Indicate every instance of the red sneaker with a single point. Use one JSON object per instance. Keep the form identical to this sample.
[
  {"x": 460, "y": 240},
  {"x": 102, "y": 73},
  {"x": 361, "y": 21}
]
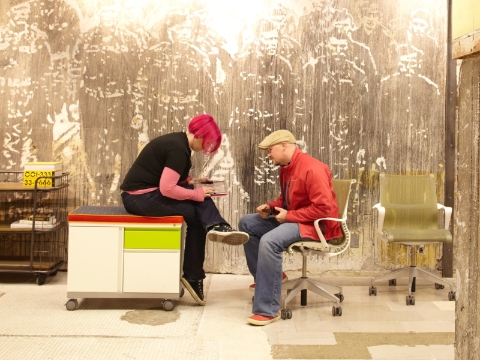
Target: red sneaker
[
  {"x": 284, "y": 280},
  {"x": 261, "y": 320}
]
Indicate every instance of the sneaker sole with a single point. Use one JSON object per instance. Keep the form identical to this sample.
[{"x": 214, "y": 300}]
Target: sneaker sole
[
  {"x": 252, "y": 288},
  {"x": 192, "y": 292},
  {"x": 263, "y": 322},
  {"x": 237, "y": 238}
]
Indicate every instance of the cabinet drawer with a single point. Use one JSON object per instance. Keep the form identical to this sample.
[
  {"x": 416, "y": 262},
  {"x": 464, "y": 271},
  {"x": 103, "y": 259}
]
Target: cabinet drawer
[{"x": 152, "y": 238}]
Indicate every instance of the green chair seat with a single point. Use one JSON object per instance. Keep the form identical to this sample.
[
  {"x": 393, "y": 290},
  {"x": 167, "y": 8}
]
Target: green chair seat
[{"x": 417, "y": 235}]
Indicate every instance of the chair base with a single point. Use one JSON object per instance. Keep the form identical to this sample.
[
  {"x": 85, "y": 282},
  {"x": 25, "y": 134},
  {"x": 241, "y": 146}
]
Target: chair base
[
  {"x": 303, "y": 284},
  {"x": 412, "y": 272}
]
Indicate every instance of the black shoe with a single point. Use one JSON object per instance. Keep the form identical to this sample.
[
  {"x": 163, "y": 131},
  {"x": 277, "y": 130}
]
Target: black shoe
[
  {"x": 195, "y": 288},
  {"x": 223, "y": 233}
]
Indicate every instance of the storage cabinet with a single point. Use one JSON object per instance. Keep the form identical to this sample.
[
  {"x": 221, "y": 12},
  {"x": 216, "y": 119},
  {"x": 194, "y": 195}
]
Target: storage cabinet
[
  {"x": 118, "y": 255},
  {"x": 36, "y": 249}
]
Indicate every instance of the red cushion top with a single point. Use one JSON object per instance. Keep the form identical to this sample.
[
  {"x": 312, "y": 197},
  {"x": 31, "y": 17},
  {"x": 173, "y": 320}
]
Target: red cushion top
[{"x": 117, "y": 214}]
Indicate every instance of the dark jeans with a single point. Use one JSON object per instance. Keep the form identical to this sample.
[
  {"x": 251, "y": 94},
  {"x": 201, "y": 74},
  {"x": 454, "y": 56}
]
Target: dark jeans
[{"x": 198, "y": 215}]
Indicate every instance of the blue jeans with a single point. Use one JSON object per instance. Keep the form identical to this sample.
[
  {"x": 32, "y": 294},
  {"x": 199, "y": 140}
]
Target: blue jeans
[
  {"x": 199, "y": 216},
  {"x": 268, "y": 240}
]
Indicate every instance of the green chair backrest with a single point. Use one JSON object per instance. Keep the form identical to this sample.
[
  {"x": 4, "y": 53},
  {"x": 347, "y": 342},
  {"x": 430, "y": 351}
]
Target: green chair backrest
[
  {"x": 410, "y": 201},
  {"x": 342, "y": 188}
]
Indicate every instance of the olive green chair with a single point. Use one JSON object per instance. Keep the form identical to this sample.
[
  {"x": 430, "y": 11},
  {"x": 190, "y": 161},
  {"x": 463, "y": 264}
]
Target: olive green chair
[
  {"x": 408, "y": 214},
  {"x": 331, "y": 248}
]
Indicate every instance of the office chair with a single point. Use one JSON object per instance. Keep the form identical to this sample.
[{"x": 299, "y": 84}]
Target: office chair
[
  {"x": 408, "y": 215},
  {"x": 332, "y": 248}
]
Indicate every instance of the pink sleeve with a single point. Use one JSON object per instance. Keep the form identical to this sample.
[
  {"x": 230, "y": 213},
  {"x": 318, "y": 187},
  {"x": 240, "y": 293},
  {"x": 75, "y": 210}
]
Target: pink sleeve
[{"x": 169, "y": 188}]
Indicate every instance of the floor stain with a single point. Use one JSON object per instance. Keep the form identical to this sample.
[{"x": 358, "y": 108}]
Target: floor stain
[
  {"x": 355, "y": 345},
  {"x": 152, "y": 317}
]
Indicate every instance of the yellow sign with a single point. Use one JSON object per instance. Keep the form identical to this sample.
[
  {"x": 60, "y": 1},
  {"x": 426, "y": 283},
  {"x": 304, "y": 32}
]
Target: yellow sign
[{"x": 30, "y": 176}]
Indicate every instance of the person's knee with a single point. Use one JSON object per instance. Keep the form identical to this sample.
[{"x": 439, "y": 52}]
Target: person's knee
[
  {"x": 270, "y": 244},
  {"x": 243, "y": 223}
]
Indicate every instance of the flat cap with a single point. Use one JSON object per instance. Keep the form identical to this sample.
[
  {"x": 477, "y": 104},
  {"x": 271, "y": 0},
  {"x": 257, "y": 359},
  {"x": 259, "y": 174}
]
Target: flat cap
[{"x": 277, "y": 137}]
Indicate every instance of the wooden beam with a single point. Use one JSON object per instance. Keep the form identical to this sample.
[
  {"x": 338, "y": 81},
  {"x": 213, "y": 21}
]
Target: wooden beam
[
  {"x": 466, "y": 45},
  {"x": 450, "y": 103}
]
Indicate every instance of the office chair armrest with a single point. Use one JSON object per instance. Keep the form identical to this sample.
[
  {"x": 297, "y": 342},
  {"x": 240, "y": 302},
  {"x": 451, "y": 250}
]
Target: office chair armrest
[
  {"x": 319, "y": 231},
  {"x": 381, "y": 217},
  {"x": 447, "y": 210}
]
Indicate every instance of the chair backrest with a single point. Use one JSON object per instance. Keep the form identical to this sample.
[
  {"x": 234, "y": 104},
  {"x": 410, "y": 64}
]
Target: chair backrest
[
  {"x": 342, "y": 189},
  {"x": 334, "y": 247},
  {"x": 410, "y": 201}
]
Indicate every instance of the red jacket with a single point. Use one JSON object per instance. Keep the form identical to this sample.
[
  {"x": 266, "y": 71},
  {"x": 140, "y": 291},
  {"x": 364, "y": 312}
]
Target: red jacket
[{"x": 307, "y": 194}]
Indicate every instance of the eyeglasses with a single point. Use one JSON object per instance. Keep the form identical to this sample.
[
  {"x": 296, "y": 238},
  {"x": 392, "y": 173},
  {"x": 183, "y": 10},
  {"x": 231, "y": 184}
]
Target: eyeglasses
[{"x": 270, "y": 148}]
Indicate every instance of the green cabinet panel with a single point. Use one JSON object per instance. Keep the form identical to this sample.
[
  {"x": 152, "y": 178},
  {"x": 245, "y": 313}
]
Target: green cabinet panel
[{"x": 153, "y": 238}]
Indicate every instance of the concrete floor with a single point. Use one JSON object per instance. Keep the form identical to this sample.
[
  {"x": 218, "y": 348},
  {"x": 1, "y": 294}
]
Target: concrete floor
[{"x": 34, "y": 324}]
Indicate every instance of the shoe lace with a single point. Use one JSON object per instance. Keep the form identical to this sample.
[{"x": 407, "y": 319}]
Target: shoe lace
[
  {"x": 200, "y": 289},
  {"x": 223, "y": 228}
]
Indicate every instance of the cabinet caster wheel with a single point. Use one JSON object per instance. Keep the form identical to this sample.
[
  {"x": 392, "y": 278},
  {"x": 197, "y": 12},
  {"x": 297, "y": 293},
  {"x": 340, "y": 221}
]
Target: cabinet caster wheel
[
  {"x": 439, "y": 286},
  {"x": 168, "y": 305},
  {"x": 372, "y": 290},
  {"x": 71, "y": 304},
  {"x": 340, "y": 296},
  {"x": 336, "y": 311},
  {"x": 410, "y": 300},
  {"x": 392, "y": 282},
  {"x": 452, "y": 296},
  {"x": 41, "y": 279}
]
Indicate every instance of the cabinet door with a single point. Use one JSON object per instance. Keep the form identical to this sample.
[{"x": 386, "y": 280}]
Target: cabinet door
[
  {"x": 95, "y": 257},
  {"x": 151, "y": 272}
]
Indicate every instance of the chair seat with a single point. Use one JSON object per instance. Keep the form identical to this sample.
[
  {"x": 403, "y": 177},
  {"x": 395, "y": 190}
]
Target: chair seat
[
  {"x": 417, "y": 235},
  {"x": 309, "y": 244}
]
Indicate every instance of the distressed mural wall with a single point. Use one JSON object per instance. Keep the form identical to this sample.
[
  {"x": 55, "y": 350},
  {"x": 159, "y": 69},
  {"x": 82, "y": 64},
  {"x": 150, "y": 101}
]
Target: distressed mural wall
[{"x": 360, "y": 83}]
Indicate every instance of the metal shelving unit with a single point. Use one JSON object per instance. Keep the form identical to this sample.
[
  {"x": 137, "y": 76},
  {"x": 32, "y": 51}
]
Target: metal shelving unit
[{"x": 35, "y": 250}]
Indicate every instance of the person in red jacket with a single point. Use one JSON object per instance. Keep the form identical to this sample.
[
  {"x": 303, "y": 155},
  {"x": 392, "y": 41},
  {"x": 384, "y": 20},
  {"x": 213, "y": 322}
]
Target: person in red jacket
[{"x": 306, "y": 195}]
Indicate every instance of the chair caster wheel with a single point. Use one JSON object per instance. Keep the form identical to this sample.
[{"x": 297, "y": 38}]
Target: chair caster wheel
[
  {"x": 392, "y": 282},
  {"x": 286, "y": 314},
  {"x": 452, "y": 296},
  {"x": 340, "y": 296},
  {"x": 372, "y": 290},
  {"x": 410, "y": 300},
  {"x": 439, "y": 286},
  {"x": 336, "y": 311}
]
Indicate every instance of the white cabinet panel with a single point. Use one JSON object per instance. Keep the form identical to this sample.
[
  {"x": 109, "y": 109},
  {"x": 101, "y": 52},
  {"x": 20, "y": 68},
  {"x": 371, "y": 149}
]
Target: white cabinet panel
[
  {"x": 151, "y": 272},
  {"x": 95, "y": 256}
]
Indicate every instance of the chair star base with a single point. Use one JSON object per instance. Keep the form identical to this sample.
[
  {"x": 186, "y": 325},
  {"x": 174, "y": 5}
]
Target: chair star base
[{"x": 413, "y": 272}]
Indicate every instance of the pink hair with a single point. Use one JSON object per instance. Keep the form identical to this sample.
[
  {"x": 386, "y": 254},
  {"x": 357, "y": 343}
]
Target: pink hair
[{"x": 204, "y": 127}]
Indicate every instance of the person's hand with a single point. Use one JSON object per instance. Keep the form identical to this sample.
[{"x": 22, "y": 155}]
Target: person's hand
[
  {"x": 205, "y": 180},
  {"x": 264, "y": 210},
  {"x": 281, "y": 215},
  {"x": 207, "y": 191}
]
